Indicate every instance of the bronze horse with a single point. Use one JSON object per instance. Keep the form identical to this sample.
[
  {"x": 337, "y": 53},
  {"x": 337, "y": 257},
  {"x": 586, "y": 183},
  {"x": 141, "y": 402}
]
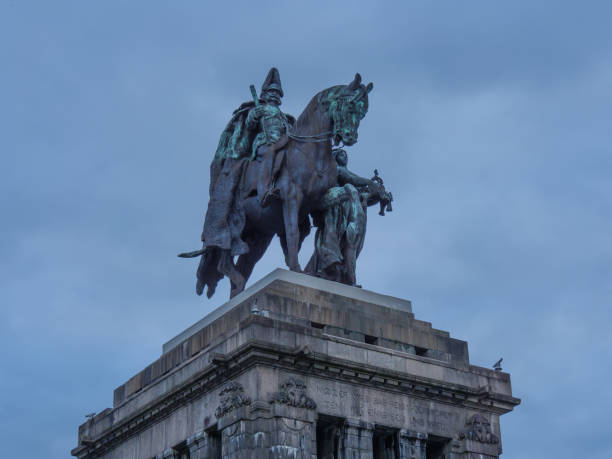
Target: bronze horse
[{"x": 306, "y": 170}]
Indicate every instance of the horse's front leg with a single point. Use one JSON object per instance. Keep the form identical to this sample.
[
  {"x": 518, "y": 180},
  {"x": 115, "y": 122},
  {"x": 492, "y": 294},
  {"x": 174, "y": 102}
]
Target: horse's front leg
[{"x": 291, "y": 206}]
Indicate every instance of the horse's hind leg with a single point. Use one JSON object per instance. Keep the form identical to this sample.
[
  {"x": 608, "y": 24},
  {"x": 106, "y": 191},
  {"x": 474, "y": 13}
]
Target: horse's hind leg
[
  {"x": 291, "y": 205},
  {"x": 258, "y": 243}
]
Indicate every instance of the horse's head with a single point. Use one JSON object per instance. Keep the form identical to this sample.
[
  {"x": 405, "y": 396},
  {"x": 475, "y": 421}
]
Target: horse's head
[{"x": 347, "y": 108}]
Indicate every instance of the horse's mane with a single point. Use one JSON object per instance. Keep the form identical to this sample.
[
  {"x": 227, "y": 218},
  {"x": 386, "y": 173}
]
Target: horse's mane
[{"x": 317, "y": 106}]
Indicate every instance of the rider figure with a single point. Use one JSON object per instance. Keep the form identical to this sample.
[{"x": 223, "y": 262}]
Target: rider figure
[{"x": 271, "y": 125}]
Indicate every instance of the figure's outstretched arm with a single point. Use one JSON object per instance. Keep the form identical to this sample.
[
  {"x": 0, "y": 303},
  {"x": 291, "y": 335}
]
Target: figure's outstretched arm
[
  {"x": 346, "y": 176},
  {"x": 371, "y": 191}
]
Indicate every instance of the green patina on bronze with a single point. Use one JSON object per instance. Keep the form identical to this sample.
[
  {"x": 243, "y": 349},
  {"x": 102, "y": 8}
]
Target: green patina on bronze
[
  {"x": 271, "y": 174},
  {"x": 255, "y": 123},
  {"x": 244, "y": 134}
]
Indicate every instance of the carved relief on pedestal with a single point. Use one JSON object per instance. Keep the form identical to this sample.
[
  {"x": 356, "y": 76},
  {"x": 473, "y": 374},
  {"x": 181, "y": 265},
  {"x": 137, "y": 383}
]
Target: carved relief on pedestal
[
  {"x": 479, "y": 430},
  {"x": 232, "y": 396},
  {"x": 293, "y": 393}
]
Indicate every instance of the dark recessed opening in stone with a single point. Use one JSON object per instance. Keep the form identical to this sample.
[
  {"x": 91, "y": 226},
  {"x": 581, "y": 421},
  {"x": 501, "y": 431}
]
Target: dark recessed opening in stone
[
  {"x": 437, "y": 447},
  {"x": 329, "y": 432},
  {"x": 384, "y": 443},
  {"x": 420, "y": 351},
  {"x": 181, "y": 451},
  {"x": 213, "y": 448},
  {"x": 317, "y": 325},
  {"x": 369, "y": 339}
]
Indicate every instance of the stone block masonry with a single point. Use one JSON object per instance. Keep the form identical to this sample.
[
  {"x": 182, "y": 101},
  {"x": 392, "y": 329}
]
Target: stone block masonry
[{"x": 300, "y": 367}]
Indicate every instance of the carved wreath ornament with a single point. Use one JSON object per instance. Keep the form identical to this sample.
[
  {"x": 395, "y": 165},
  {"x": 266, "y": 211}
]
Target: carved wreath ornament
[
  {"x": 293, "y": 393},
  {"x": 232, "y": 396},
  {"x": 480, "y": 430}
]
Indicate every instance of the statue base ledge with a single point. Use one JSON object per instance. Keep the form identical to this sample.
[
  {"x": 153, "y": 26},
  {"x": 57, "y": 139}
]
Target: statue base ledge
[{"x": 300, "y": 279}]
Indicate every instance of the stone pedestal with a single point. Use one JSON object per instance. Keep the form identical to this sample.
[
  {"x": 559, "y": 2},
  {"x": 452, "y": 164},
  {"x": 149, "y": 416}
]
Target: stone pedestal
[{"x": 299, "y": 367}]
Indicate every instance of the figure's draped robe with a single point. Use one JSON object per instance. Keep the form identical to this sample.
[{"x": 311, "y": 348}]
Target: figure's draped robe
[{"x": 341, "y": 227}]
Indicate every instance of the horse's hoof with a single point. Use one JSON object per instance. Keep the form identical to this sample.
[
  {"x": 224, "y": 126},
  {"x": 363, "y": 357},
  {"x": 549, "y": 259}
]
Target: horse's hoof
[{"x": 235, "y": 292}]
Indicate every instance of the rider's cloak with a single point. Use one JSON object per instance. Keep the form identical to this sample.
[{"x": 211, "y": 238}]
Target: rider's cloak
[{"x": 225, "y": 217}]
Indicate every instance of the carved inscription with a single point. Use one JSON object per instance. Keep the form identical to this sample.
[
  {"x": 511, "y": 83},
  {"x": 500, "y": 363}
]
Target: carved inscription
[
  {"x": 426, "y": 417},
  {"x": 381, "y": 408},
  {"x": 387, "y": 408}
]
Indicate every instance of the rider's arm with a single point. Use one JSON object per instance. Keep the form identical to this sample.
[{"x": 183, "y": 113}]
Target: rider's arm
[{"x": 255, "y": 114}]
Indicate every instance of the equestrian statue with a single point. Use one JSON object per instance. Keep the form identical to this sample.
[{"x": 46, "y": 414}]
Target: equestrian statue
[{"x": 271, "y": 173}]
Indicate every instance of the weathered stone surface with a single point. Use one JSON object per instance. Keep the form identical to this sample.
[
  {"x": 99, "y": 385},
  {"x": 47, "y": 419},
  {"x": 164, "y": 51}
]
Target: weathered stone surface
[
  {"x": 412, "y": 445},
  {"x": 357, "y": 439},
  {"x": 291, "y": 369}
]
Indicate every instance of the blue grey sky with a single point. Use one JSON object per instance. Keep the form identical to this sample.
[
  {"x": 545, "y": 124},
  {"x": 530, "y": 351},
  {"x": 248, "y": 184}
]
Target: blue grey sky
[{"x": 489, "y": 121}]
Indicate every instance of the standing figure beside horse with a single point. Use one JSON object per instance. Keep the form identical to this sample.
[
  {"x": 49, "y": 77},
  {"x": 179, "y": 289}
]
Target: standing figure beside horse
[
  {"x": 341, "y": 222},
  {"x": 269, "y": 174}
]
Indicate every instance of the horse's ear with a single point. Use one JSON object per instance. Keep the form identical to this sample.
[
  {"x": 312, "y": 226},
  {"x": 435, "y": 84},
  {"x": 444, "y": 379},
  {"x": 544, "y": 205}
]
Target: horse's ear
[
  {"x": 355, "y": 83},
  {"x": 370, "y": 86}
]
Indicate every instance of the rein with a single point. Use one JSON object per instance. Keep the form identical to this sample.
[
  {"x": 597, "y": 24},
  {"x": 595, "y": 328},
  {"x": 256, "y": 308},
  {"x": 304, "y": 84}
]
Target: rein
[{"x": 321, "y": 137}]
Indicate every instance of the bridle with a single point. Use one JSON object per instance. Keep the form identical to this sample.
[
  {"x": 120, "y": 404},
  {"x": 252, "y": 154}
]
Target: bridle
[{"x": 322, "y": 136}]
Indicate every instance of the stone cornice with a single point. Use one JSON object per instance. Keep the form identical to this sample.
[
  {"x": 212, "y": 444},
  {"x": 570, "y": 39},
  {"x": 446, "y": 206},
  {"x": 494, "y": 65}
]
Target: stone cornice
[{"x": 301, "y": 360}]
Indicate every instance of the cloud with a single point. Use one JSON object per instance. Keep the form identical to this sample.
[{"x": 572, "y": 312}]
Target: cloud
[{"x": 488, "y": 122}]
